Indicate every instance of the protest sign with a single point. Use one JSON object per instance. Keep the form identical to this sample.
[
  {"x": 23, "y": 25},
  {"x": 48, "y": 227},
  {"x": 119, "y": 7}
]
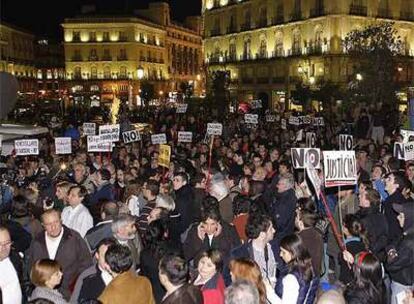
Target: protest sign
[
  {"x": 159, "y": 139},
  {"x": 293, "y": 120},
  {"x": 310, "y": 140},
  {"x": 409, "y": 151},
  {"x": 164, "y": 156},
  {"x": 302, "y": 156},
  {"x": 131, "y": 136},
  {"x": 407, "y": 134},
  {"x": 339, "y": 168},
  {"x": 63, "y": 145},
  {"x": 314, "y": 178},
  {"x": 283, "y": 124},
  {"x": 26, "y": 147},
  {"x": 185, "y": 137},
  {"x": 181, "y": 108},
  {"x": 270, "y": 118},
  {"x": 109, "y": 133},
  {"x": 346, "y": 142},
  {"x": 299, "y": 135},
  {"x": 89, "y": 128},
  {"x": 95, "y": 144},
  {"x": 399, "y": 151},
  {"x": 318, "y": 121},
  {"x": 251, "y": 118},
  {"x": 214, "y": 128}
]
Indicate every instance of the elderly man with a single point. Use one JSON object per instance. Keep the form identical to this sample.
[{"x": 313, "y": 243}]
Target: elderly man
[
  {"x": 62, "y": 244},
  {"x": 283, "y": 209},
  {"x": 219, "y": 190},
  {"x": 11, "y": 270}
]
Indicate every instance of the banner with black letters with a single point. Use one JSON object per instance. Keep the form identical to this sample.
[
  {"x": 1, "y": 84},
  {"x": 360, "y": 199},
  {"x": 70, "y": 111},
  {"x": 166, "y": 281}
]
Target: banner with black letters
[
  {"x": 302, "y": 156},
  {"x": 339, "y": 168}
]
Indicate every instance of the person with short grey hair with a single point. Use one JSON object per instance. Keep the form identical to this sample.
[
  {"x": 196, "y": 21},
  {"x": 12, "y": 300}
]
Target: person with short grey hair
[
  {"x": 125, "y": 232},
  {"x": 241, "y": 291},
  {"x": 165, "y": 201},
  {"x": 219, "y": 190}
]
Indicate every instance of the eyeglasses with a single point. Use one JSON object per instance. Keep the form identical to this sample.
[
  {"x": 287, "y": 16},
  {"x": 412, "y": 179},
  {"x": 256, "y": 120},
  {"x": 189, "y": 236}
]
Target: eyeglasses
[{"x": 5, "y": 244}]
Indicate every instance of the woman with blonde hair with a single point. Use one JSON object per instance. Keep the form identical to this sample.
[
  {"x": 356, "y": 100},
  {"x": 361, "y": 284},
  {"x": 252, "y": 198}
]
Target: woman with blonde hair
[
  {"x": 247, "y": 269},
  {"x": 46, "y": 275}
]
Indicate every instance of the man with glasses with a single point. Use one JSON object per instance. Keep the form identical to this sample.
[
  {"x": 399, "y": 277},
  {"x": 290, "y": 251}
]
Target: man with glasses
[{"x": 11, "y": 270}]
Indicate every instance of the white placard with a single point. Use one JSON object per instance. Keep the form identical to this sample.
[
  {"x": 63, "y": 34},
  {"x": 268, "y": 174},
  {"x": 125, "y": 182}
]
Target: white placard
[
  {"x": 95, "y": 103},
  {"x": 314, "y": 178},
  {"x": 214, "y": 128},
  {"x": 299, "y": 135},
  {"x": 63, "y": 145},
  {"x": 310, "y": 140},
  {"x": 293, "y": 120},
  {"x": 131, "y": 136},
  {"x": 318, "y": 121},
  {"x": 182, "y": 108},
  {"x": 95, "y": 144},
  {"x": 185, "y": 137},
  {"x": 26, "y": 147},
  {"x": 283, "y": 124},
  {"x": 270, "y": 118},
  {"x": 339, "y": 168},
  {"x": 89, "y": 128},
  {"x": 251, "y": 118},
  {"x": 159, "y": 139},
  {"x": 407, "y": 134},
  {"x": 409, "y": 151},
  {"x": 346, "y": 142},
  {"x": 109, "y": 133},
  {"x": 302, "y": 156}
]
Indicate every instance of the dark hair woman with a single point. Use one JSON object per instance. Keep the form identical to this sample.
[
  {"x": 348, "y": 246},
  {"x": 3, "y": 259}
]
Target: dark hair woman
[
  {"x": 300, "y": 284},
  {"x": 367, "y": 286}
]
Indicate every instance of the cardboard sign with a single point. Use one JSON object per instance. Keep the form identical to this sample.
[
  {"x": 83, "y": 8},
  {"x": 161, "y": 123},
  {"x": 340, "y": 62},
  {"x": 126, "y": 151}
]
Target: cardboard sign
[
  {"x": 251, "y": 118},
  {"x": 89, "y": 128},
  {"x": 181, "y": 108},
  {"x": 314, "y": 178},
  {"x": 164, "y": 156},
  {"x": 346, "y": 142},
  {"x": 399, "y": 151},
  {"x": 95, "y": 144},
  {"x": 270, "y": 118},
  {"x": 407, "y": 134},
  {"x": 302, "y": 156},
  {"x": 131, "y": 136},
  {"x": 214, "y": 129},
  {"x": 409, "y": 150},
  {"x": 26, "y": 147},
  {"x": 63, "y": 145},
  {"x": 306, "y": 120},
  {"x": 109, "y": 133},
  {"x": 339, "y": 168},
  {"x": 159, "y": 139},
  {"x": 310, "y": 140},
  {"x": 283, "y": 124},
  {"x": 185, "y": 137},
  {"x": 299, "y": 135},
  {"x": 318, "y": 121},
  {"x": 293, "y": 120}
]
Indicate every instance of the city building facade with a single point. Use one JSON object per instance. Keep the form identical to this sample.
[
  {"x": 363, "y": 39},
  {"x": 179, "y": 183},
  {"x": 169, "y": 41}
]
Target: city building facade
[
  {"x": 269, "y": 46},
  {"x": 113, "y": 56}
]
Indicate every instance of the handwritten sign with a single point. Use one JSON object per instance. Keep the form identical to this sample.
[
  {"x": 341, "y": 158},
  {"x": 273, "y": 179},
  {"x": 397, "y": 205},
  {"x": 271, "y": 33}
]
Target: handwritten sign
[
  {"x": 109, "y": 133},
  {"x": 214, "y": 129},
  {"x": 185, "y": 137},
  {"x": 159, "y": 139},
  {"x": 63, "y": 145},
  {"x": 26, "y": 147}
]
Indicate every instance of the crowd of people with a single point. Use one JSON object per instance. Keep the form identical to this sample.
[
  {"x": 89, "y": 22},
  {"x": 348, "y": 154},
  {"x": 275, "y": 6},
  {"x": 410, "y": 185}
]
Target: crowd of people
[{"x": 229, "y": 221}]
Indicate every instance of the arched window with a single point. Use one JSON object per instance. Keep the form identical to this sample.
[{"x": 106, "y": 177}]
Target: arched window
[
  {"x": 77, "y": 72},
  {"x": 263, "y": 47},
  {"x": 279, "y": 44},
  {"x": 246, "y": 49},
  {"x": 296, "y": 43},
  {"x": 232, "y": 50},
  {"x": 123, "y": 72},
  {"x": 107, "y": 72},
  {"x": 94, "y": 72}
]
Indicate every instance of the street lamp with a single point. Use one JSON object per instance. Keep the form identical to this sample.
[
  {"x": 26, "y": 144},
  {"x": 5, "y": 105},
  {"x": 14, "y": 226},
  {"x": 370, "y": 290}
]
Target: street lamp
[
  {"x": 359, "y": 77},
  {"x": 140, "y": 72},
  {"x": 312, "y": 80}
]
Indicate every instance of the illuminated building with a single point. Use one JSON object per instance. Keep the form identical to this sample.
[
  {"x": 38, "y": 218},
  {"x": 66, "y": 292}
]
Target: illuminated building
[
  {"x": 270, "y": 46},
  {"x": 107, "y": 55}
]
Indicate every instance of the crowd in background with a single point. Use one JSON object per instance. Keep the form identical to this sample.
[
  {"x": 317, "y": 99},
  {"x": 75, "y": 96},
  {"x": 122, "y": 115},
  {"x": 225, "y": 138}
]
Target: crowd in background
[{"x": 230, "y": 220}]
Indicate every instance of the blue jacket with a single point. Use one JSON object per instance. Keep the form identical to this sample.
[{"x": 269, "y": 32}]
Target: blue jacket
[{"x": 307, "y": 290}]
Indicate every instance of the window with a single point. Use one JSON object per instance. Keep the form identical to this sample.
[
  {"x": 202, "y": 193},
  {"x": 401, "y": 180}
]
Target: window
[
  {"x": 296, "y": 46},
  {"x": 92, "y": 36},
  {"x": 122, "y": 54},
  {"x": 123, "y": 72},
  {"x": 107, "y": 72},
  {"x": 76, "y": 36},
  {"x": 93, "y": 55},
  {"x": 107, "y": 55},
  {"x": 279, "y": 44},
  {"x": 78, "y": 72},
  {"x": 105, "y": 36},
  {"x": 232, "y": 50},
  {"x": 94, "y": 73},
  {"x": 246, "y": 49},
  {"x": 263, "y": 48}
]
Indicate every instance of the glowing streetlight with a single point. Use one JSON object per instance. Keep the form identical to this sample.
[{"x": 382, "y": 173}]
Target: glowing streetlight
[
  {"x": 359, "y": 77},
  {"x": 140, "y": 73},
  {"x": 312, "y": 80}
]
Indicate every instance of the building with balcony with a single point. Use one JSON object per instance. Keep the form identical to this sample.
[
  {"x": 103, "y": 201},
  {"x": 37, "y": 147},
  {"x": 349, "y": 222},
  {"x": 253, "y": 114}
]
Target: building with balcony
[
  {"x": 268, "y": 47},
  {"x": 17, "y": 56},
  {"x": 114, "y": 54}
]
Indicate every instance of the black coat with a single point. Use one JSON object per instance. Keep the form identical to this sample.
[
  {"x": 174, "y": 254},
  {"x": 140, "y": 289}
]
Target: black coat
[
  {"x": 185, "y": 206},
  {"x": 354, "y": 246},
  {"x": 283, "y": 213},
  {"x": 224, "y": 242},
  {"x": 186, "y": 294},
  {"x": 92, "y": 286},
  {"x": 401, "y": 268},
  {"x": 394, "y": 229},
  {"x": 376, "y": 226}
]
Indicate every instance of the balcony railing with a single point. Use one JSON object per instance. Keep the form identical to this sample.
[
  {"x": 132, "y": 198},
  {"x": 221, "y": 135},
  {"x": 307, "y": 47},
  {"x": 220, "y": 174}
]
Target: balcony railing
[
  {"x": 245, "y": 56},
  {"x": 317, "y": 12},
  {"x": 384, "y": 13},
  {"x": 122, "y": 58},
  {"x": 407, "y": 16},
  {"x": 231, "y": 29},
  {"x": 261, "y": 23},
  {"x": 278, "y": 19},
  {"x": 295, "y": 52},
  {"x": 296, "y": 16},
  {"x": 76, "y": 58},
  {"x": 278, "y": 53},
  {"x": 215, "y": 32},
  {"x": 106, "y": 58},
  {"x": 93, "y": 58},
  {"x": 262, "y": 55},
  {"x": 246, "y": 26},
  {"x": 358, "y": 10}
]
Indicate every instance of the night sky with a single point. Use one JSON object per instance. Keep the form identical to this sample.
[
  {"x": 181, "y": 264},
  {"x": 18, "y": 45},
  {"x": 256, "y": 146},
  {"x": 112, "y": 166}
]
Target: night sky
[{"x": 43, "y": 17}]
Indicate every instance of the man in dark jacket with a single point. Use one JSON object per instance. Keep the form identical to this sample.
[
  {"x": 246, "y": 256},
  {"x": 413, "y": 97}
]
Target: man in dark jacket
[
  {"x": 283, "y": 208},
  {"x": 62, "y": 244},
  {"x": 210, "y": 233},
  {"x": 394, "y": 183},
  {"x": 184, "y": 201},
  {"x": 400, "y": 259},
  {"x": 104, "y": 190}
]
